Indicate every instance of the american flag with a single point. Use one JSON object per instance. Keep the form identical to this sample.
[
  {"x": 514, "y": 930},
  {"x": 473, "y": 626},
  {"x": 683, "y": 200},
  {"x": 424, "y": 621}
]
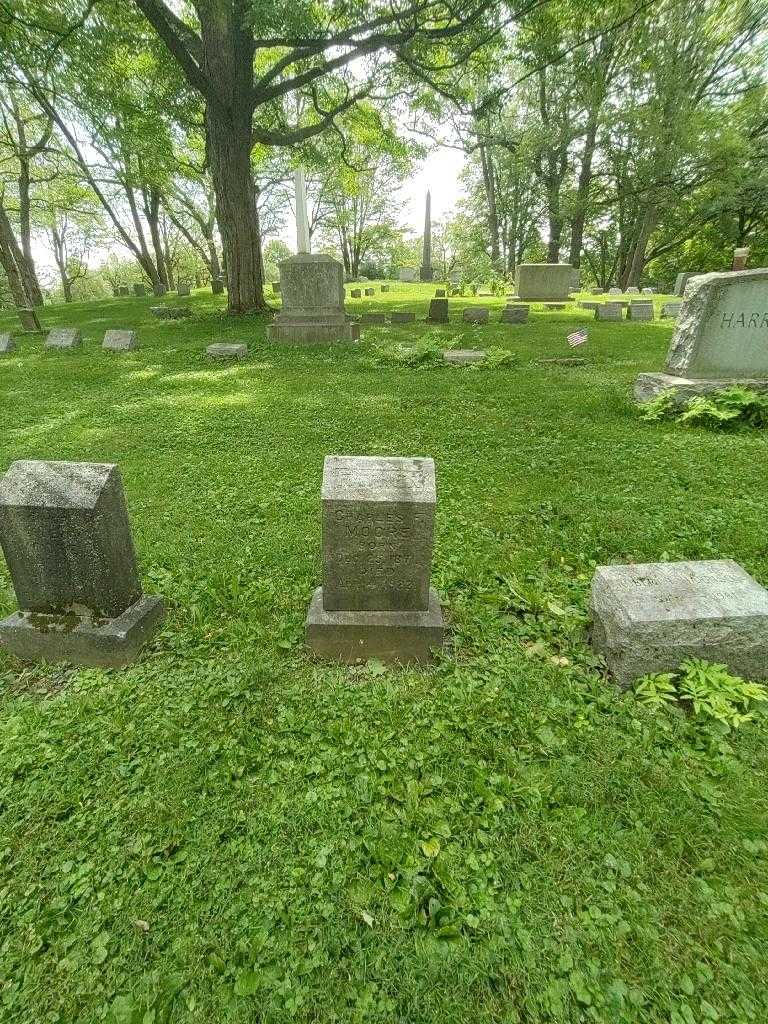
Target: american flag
[{"x": 577, "y": 338}]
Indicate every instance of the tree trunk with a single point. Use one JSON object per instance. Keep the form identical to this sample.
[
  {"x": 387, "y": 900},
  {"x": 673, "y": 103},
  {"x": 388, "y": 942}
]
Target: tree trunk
[
  {"x": 8, "y": 263},
  {"x": 30, "y": 285},
  {"x": 637, "y": 264},
  {"x": 489, "y": 179},
  {"x": 582, "y": 193}
]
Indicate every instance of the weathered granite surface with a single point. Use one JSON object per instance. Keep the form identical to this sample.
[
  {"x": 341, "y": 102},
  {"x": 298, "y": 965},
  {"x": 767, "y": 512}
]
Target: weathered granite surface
[
  {"x": 463, "y": 356},
  {"x": 227, "y": 350},
  {"x": 649, "y": 618},
  {"x": 650, "y": 385},
  {"x": 640, "y": 311},
  {"x": 402, "y": 317},
  {"x": 542, "y": 281},
  {"x": 609, "y": 311},
  {"x": 64, "y": 337},
  {"x": 7, "y": 344},
  {"x": 476, "y": 315},
  {"x": 438, "y": 311},
  {"x": 312, "y": 287},
  {"x": 515, "y": 314},
  {"x": 120, "y": 341}
]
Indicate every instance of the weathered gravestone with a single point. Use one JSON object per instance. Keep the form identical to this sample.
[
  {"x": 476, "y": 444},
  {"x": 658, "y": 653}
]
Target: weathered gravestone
[
  {"x": 463, "y": 356},
  {"x": 649, "y": 291},
  {"x": 227, "y": 350},
  {"x": 124, "y": 291},
  {"x": 64, "y": 337},
  {"x": 139, "y": 290},
  {"x": 407, "y": 274},
  {"x": 385, "y": 288},
  {"x": 633, "y": 290},
  {"x": 356, "y": 293},
  {"x": 682, "y": 280},
  {"x": 217, "y": 286},
  {"x": 614, "y": 291},
  {"x": 7, "y": 344},
  {"x": 650, "y": 618},
  {"x": 438, "y": 311},
  {"x": 66, "y": 537},
  {"x": 373, "y": 319},
  {"x": 588, "y": 304},
  {"x": 720, "y": 338},
  {"x": 543, "y": 281},
  {"x": 476, "y": 315},
  {"x": 609, "y": 311},
  {"x": 369, "y": 292},
  {"x": 275, "y": 287},
  {"x": 402, "y": 317},
  {"x": 120, "y": 341},
  {"x": 640, "y": 311},
  {"x": 671, "y": 309},
  {"x": 313, "y": 313},
  {"x": 454, "y": 277},
  {"x": 515, "y": 314},
  {"x": 378, "y": 527},
  {"x": 183, "y": 291}
]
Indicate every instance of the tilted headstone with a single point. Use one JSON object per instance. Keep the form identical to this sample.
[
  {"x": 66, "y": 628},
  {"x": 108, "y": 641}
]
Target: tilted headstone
[
  {"x": 402, "y": 317},
  {"x": 378, "y": 529},
  {"x": 720, "y": 338},
  {"x": 671, "y": 309},
  {"x": 139, "y": 290},
  {"x": 356, "y": 293},
  {"x": 476, "y": 315},
  {"x": 225, "y": 350},
  {"x": 640, "y": 311},
  {"x": 170, "y": 312},
  {"x": 7, "y": 344},
  {"x": 633, "y": 290},
  {"x": 217, "y": 286},
  {"x": 609, "y": 311},
  {"x": 66, "y": 537},
  {"x": 370, "y": 291},
  {"x": 120, "y": 341},
  {"x": 438, "y": 311},
  {"x": 64, "y": 337},
  {"x": 183, "y": 291},
  {"x": 649, "y": 618},
  {"x": 515, "y": 314},
  {"x": 371, "y": 319},
  {"x": 463, "y": 356}
]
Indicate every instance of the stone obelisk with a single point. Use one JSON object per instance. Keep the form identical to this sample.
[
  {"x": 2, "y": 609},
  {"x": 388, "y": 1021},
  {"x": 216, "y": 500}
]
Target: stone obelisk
[{"x": 427, "y": 272}]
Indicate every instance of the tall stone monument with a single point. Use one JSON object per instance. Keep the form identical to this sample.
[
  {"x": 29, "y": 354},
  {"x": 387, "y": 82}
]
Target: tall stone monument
[
  {"x": 378, "y": 527},
  {"x": 426, "y": 271},
  {"x": 720, "y": 339},
  {"x": 312, "y": 289},
  {"x": 66, "y": 537}
]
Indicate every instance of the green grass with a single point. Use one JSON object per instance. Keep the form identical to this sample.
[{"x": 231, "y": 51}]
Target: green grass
[{"x": 229, "y": 832}]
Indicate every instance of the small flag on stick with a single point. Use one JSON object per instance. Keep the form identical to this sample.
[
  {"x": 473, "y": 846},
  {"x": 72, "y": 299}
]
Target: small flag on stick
[{"x": 577, "y": 338}]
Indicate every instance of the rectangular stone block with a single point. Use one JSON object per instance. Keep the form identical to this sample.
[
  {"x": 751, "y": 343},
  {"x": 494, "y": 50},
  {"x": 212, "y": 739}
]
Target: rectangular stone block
[
  {"x": 356, "y": 293},
  {"x": 385, "y": 288},
  {"x": 371, "y": 319},
  {"x": 183, "y": 291},
  {"x": 64, "y": 337},
  {"x": 407, "y": 274},
  {"x": 7, "y": 344},
  {"x": 438, "y": 311},
  {"x": 651, "y": 385},
  {"x": 463, "y": 356},
  {"x": 378, "y": 528},
  {"x": 671, "y": 309},
  {"x": 633, "y": 290},
  {"x": 614, "y": 291},
  {"x": 222, "y": 350},
  {"x": 120, "y": 341},
  {"x": 640, "y": 311},
  {"x": 369, "y": 292},
  {"x": 609, "y": 311},
  {"x": 440, "y": 293},
  {"x": 544, "y": 281},
  {"x": 649, "y": 618},
  {"x": 476, "y": 315},
  {"x": 589, "y": 305},
  {"x": 402, "y": 317},
  {"x": 515, "y": 314}
]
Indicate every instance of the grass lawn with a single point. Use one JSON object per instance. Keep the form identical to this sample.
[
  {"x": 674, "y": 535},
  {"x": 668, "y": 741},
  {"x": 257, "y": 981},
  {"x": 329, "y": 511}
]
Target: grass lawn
[{"x": 230, "y": 832}]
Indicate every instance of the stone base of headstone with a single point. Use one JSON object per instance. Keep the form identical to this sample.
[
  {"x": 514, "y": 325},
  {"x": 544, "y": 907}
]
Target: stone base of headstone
[
  {"x": 476, "y": 315},
  {"x": 312, "y": 287},
  {"x": 110, "y": 643},
  {"x": 650, "y": 385},
  {"x": 438, "y": 311},
  {"x": 120, "y": 341},
  {"x": 640, "y": 311},
  {"x": 609, "y": 311},
  {"x": 402, "y": 317},
  {"x": 650, "y": 618},
  {"x": 515, "y": 314},
  {"x": 463, "y": 356},
  {"x": 356, "y": 636},
  {"x": 223, "y": 350}
]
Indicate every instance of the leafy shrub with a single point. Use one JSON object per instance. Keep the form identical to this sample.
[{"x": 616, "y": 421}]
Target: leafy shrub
[
  {"x": 420, "y": 352},
  {"x": 497, "y": 357},
  {"x": 706, "y": 690},
  {"x": 731, "y": 407}
]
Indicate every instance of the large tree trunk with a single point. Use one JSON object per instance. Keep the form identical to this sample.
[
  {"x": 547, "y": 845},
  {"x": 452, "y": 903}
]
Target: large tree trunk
[
  {"x": 637, "y": 264},
  {"x": 489, "y": 180},
  {"x": 29, "y": 282},
  {"x": 8, "y": 263},
  {"x": 582, "y": 194},
  {"x": 152, "y": 212}
]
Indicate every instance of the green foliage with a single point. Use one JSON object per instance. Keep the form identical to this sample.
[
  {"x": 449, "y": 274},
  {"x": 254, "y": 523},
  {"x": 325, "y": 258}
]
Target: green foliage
[
  {"x": 721, "y": 410},
  {"x": 496, "y": 357},
  {"x": 708, "y": 691}
]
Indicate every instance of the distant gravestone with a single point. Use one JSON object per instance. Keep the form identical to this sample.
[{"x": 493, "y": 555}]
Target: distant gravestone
[
  {"x": 588, "y": 304},
  {"x": 385, "y": 288},
  {"x": 356, "y": 293},
  {"x": 170, "y": 312},
  {"x": 515, "y": 314},
  {"x": 64, "y": 337},
  {"x": 463, "y": 356},
  {"x": 640, "y": 311},
  {"x": 373, "y": 319},
  {"x": 369, "y": 292},
  {"x": 183, "y": 291},
  {"x": 275, "y": 287},
  {"x": 378, "y": 535},
  {"x": 7, "y": 344},
  {"x": 407, "y": 275},
  {"x": 540, "y": 282},
  {"x": 609, "y": 311},
  {"x": 614, "y": 291},
  {"x": 671, "y": 309},
  {"x": 476, "y": 315},
  {"x": 402, "y": 317},
  {"x": 224, "y": 350},
  {"x": 124, "y": 291},
  {"x": 649, "y": 291},
  {"x": 139, "y": 290},
  {"x": 217, "y": 286},
  {"x": 120, "y": 341},
  {"x": 633, "y": 290},
  {"x": 720, "y": 338},
  {"x": 454, "y": 277},
  {"x": 649, "y": 618},
  {"x": 440, "y": 293},
  {"x": 438, "y": 311},
  {"x": 66, "y": 537},
  {"x": 159, "y": 290}
]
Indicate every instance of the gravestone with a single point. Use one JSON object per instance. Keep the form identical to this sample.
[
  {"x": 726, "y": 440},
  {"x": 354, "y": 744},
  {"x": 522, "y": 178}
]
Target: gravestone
[
  {"x": 720, "y": 338},
  {"x": 159, "y": 290},
  {"x": 139, "y": 290},
  {"x": 556, "y": 306},
  {"x": 650, "y": 618},
  {"x": 740, "y": 257},
  {"x": 515, "y": 314},
  {"x": 170, "y": 312},
  {"x": 64, "y": 337},
  {"x": 378, "y": 529},
  {"x": 407, "y": 275},
  {"x": 275, "y": 287},
  {"x": 120, "y": 341},
  {"x": 543, "y": 281},
  {"x": 226, "y": 350},
  {"x": 369, "y": 292},
  {"x": 640, "y": 311},
  {"x": 633, "y": 290},
  {"x": 682, "y": 280},
  {"x": 312, "y": 287},
  {"x": 589, "y": 304},
  {"x": 671, "y": 309},
  {"x": 183, "y": 291},
  {"x": 440, "y": 293},
  {"x": 476, "y": 315},
  {"x": 614, "y": 291},
  {"x": 385, "y": 288},
  {"x": 123, "y": 291},
  {"x": 7, "y": 344},
  {"x": 66, "y": 537},
  {"x": 356, "y": 293},
  {"x": 463, "y": 356},
  {"x": 649, "y": 291},
  {"x": 217, "y": 286},
  {"x": 402, "y": 317},
  {"x": 609, "y": 311},
  {"x": 373, "y": 319},
  {"x": 438, "y": 311}
]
